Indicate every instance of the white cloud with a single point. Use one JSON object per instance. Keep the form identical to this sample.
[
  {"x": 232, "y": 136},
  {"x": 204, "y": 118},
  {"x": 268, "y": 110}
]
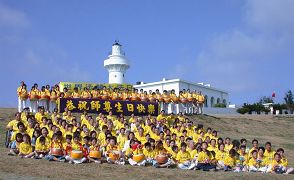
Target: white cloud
[
  {"x": 10, "y": 17},
  {"x": 244, "y": 59}
]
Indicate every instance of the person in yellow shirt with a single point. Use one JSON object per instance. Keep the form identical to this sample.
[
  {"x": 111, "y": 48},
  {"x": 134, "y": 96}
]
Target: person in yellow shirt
[
  {"x": 56, "y": 152},
  {"x": 205, "y": 159},
  {"x": 25, "y": 148},
  {"x": 220, "y": 156},
  {"x": 40, "y": 114},
  {"x": 77, "y": 146},
  {"x": 212, "y": 146},
  {"x": 86, "y": 93},
  {"x": 230, "y": 160},
  {"x": 53, "y": 98},
  {"x": 253, "y": 163},
  {"x": 76, "y": 93},
  {"x": 263, "y": 162},
  {"x": 141, "y": 136},
  {"x": 21, "y": 129},
  {"x": 228, "y": 144},
  {"x": 243, "y": 159},
  {"x": 14, "y": 146},
  {"x": 42, "y": 148},
  {"x": 278, "y": 167},
  {"x": 22, "y": 94},
  {"x": 254, "y": 146},
  {"x": 161, "y": 116},
  {"x": 148, "y": 153},
  {"x": 66, "y": 93},
  {"x": 12, "y": 125},
  {"x": 95, "y": 146},
  {"x": 43, "y": 98},
  {"x": 269, "y": 153},
  {"x": 184, "y": 158},
  {"x": 112, "y": 153}
]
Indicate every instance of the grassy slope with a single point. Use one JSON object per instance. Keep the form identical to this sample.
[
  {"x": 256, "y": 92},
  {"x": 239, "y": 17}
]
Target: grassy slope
[{"x": 277, "y": 130}]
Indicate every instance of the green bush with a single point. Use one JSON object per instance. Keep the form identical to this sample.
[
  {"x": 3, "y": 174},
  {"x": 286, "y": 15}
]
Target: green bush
[{"x": 220, "y": 105}]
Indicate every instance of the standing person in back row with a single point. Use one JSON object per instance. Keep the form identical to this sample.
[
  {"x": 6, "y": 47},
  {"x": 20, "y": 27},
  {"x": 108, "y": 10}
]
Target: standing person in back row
[
  {"x": 34, "y": 98},
  {"x": 22, "y": 94}
]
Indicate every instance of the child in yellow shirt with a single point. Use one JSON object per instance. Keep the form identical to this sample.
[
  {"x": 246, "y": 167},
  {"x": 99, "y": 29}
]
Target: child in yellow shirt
[
  {"x": 95, "y": 146},
  {"x": 205, "y": 159},
  {"x": 25, "y": 148},
  {"x": 41, "y": 148},
  {"x": 220, "y": 156},
  {"x": 14, "y": 146},
  {"x": 253, "y": 163},
  {"x": 148, "y": 153},
  {"x": 56, "y": 152},
  {"x": 230, "y": 160},
  {"x": 184, "y": 158},
  {"x": 112, "y": 153}
]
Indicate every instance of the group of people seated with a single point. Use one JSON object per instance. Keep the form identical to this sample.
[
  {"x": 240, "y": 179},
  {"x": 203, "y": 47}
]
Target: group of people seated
[
  {"x": 165, "y": 141},
  {"x": 170, "y": 102}
]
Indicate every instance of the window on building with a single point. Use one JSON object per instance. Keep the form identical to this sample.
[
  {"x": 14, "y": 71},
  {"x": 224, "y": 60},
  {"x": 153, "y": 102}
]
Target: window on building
[
  {"x": 211, "y": 101},
  {"x": 205, "y": 101},
  {"x": 218, "y": 100}
]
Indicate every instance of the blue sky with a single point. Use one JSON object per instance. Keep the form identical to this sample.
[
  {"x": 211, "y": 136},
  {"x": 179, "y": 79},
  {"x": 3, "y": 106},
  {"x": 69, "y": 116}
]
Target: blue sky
[{"x": 244, "y": 47}]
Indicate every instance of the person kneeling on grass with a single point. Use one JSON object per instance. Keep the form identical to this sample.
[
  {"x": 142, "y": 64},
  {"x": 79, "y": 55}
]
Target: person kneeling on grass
[
  {"x": 25, "y": 148},
  {"x": 56, "y": 152},
  {"x": 77, "y": 154},
  {"x": 205, "y": 159},
  {"x": 184, "y": 158}
]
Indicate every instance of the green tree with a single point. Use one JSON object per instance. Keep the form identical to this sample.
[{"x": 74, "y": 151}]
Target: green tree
[
  {"x": 289, "y": 100},
  {"x": 266, "y": 99}
]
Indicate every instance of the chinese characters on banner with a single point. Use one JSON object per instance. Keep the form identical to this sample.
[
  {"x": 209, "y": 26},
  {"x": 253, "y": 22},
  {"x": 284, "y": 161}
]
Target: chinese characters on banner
[
  {"x": 81, "y": 85},
  {"x": 101, "y": 106}
]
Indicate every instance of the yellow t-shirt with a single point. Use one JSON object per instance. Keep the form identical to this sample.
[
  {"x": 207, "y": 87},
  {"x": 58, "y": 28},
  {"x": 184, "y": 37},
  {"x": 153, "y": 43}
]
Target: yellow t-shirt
[
  {"x": 203, "y": 157},
  {"x": 253, "y": 162},
  {"x": 284, "y": 162},
  {"x": 263, "y": 161},
  {"x": 13, "y": 124},
  {"x": 149, "y": 154},
  {"x": 42, "y": 147},
  {"x": 220, "y": 156},
  {"x": 210, "y": 148},
  {"x": 244, "y": 159},
  {"x": 25, "y": 148},
  {"x": 228, "y": 147},
  {"x": 183, "y": 156},
  {"x": 160, "y": 117},
  {"x": 229, "y": 161},
  {"x": 194, "y": 153},
  {"x": 13, "y": 137},
  {"x": 269, "y": 155}
]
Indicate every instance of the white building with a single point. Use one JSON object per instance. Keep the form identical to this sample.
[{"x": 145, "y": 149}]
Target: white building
[
  {"x": 116, "y": 64},
  {"x": 212, "y": 95}
]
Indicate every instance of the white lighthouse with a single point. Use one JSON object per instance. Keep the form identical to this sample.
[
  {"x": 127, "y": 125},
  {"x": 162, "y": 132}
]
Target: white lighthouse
[{"x": 116, "y": 64}]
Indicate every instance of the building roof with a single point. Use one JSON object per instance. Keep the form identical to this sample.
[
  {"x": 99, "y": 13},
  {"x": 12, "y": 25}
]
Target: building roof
[{"x": 180, "y": 80}]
